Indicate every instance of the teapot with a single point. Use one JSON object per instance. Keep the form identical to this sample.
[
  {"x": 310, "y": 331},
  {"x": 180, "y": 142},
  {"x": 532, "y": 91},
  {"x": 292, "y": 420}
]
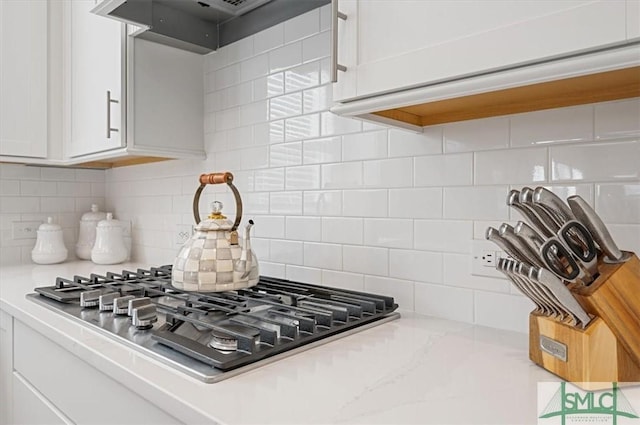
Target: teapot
[{"x": 215, "y": 258}]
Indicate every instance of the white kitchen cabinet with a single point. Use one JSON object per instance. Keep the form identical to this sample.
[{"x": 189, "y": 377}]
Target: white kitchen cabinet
[
  {"x": 96, "y": 72},
  {"x": 6, "y": 368},
  {"x": 64, "y": 389},
  {"x": 390, "y": 45},
  {"x": 128, "y": 97},
  {"x": 23, "y": 78}
]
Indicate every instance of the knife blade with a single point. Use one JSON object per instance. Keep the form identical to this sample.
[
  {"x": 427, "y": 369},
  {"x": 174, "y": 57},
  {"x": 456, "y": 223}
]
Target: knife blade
[
  {"x": 587, "y": 216},
  {"x": 563, "y": 294}
]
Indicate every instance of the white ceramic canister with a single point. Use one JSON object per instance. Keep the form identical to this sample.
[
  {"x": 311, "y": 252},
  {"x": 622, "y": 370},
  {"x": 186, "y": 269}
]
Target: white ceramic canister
[
  {"x": 87, "y": 234},
  {"x": 49, "y": 248},
  {"x": 109, "y": 247}
]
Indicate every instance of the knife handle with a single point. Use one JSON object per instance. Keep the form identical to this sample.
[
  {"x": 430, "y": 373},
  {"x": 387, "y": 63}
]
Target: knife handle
[{"x": 587, "y": 216}]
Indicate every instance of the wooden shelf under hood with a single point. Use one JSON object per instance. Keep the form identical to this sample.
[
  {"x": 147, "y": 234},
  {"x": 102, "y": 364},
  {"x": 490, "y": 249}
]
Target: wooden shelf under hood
[{"x": 598, "y": 87}]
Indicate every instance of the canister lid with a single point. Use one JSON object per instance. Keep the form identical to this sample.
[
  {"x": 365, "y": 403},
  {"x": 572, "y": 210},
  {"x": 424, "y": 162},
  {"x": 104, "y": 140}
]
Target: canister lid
[
  {"x": 109, "y": 222},
  {"x": 94, "y": 215},
  {"x": 49, "y": 226}
]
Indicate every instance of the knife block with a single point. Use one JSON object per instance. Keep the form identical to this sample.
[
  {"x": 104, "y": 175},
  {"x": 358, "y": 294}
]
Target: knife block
[{"x": 608, "y": 349}]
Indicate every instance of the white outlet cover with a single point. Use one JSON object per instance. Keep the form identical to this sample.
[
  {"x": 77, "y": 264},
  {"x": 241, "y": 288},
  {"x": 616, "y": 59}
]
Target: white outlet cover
[
  {"x": 478, "y": 249},
  {"x": 25, "y": 229}
]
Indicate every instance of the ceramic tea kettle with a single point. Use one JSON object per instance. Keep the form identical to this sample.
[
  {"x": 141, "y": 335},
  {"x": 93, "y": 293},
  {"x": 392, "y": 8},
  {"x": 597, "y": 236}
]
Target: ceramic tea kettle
[{"x": 215, "y": 259}]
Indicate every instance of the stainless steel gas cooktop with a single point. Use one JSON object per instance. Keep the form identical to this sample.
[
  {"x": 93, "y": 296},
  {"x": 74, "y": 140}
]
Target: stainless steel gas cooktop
[{"x": 213, "y": 336}]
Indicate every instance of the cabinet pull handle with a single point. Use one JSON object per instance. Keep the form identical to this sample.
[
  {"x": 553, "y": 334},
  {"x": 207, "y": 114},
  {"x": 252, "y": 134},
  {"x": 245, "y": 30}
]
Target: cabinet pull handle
[
  {"x": 109, "y": 102},
  {"x": 335, "y": 66}
]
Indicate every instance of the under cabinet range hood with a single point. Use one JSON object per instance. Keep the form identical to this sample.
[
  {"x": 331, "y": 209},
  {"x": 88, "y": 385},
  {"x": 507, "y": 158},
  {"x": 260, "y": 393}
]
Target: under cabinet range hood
[{"x": 202, "y": 26}]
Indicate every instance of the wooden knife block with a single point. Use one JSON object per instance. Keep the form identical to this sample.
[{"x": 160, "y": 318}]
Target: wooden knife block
[{"x": 608, "y": 350}]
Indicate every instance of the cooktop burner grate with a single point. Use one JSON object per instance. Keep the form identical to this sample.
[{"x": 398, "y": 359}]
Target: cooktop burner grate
[{"x": 210, "y": 335}]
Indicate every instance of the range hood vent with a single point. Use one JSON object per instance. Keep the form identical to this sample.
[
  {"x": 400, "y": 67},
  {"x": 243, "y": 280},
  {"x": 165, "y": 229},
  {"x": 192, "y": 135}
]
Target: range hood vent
[{"x": 205, "y": 25}]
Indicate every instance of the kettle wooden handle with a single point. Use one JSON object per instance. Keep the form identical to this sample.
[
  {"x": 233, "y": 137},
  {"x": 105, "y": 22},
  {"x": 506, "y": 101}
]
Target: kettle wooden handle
[{"x": 218, "y": 178}]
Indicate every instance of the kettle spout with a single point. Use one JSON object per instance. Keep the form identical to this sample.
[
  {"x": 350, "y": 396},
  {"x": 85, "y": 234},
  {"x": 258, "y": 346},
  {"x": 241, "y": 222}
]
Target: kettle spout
[{"x": 245, "y": 263}]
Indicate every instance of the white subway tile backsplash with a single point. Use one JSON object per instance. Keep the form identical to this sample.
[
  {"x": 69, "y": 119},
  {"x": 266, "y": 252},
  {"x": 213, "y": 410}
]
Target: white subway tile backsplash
[
  {"x": 322, "y": 150},
  {"x": 303, "y": 274},
  {"x": 626, "y": 236},
  {"x": 618, "y": 119},
  {"x": 285, "y": 57},
  {"x": 443, "y": 170},
  {"x": 255, "y": 67},
  {"x": 342, "y": 175},
  {"x": 388, "y": 232},
  {"x": 323, "y": 255},
  {"x": 365, "y": 203},
  {"x": 266, "y": 87},
  {"x": 302, "y": 77},
  {"x": 285, "y": 154},
  {"x": 288, "y": 203},
  {"x": 562, "y": 125},
  {"x": 19, "y": 172},
  {"x": 269, "y": 180},
  {"x": 71, "y": 189},
  {"x": 476, "y": 135},
  {"x": 502, "y": 311},
  {"x": 372, "y": 145},
  {"x": 303, "y": 127},
  {"x": 33, "y": 188},
  {"x": 388, "y": 173},
  {"x": 317, "y": 99},
  {"x": 333, "y": 124},
  {"x": 367, "y": 260},
  {"x": 316, "y": 47},
  {"x": 58, "y": 174},
  {"x": 304, "y": 228},
  {"x": 15, "y": 204},
  {"x": 596, "y": 162},
  {"x": 443, "y": 235},
  {"x": 446, "y": 302},
  {"x": 415, "y": 265},
  {"x": 407, "y": 143},
  {"x": 58, "y": 204},
  {"x": 342, "y": 230},
  {"x": 288, "y": 252},
  {"x": 325, "y": 202},
  {"x": 618, "y": 203},
  {"x": 269, "y": 226},
  {"x": 515, "y": 166},
  {"x": 268, "y": 39},
  {"x": 415, "y": 202},
  {"x": 402, "y": 291},
  {"x": 473, "y": 203},
  {"x": 285, "y": 106},
  {"x": 343, "y": 280},
  {"x": 304, "y": 177},
  {"x": 354, "y": 204}
]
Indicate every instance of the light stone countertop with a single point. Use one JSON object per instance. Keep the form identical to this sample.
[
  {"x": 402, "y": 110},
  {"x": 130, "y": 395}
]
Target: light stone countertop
[{"x": 414, "y": 370}]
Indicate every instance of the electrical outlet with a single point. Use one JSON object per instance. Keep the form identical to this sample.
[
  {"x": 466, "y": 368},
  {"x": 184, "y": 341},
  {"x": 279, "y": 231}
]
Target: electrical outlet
[
  {"x": 183, "y": 233},
  {"x": 25, "y": 229},
  {"x": 485, "y": 256}
]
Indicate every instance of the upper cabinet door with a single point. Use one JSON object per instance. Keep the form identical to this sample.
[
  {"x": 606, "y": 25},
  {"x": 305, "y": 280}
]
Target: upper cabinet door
[
  {"x": 412, "y": 43},
  {"x": 23, "y": 78},
  {"x": 96, "y": 75}
]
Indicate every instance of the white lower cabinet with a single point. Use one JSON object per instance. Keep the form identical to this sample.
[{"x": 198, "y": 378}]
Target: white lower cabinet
[{"x": 44, "y": 383}]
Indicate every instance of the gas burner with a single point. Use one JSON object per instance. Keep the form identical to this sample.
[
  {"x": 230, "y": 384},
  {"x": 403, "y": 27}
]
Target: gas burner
[{"x": 223, "y": 342}]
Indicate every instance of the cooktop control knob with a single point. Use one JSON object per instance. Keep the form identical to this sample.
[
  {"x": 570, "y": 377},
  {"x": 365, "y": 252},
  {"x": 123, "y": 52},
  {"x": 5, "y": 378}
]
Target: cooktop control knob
[
  {"x": 136, "y": 303},
  {"x": 144, "y": 317},
  {"x": 105, "y": 301},
  {"x": 90, "y": 298},
  {"x": 121, "y": 304}
]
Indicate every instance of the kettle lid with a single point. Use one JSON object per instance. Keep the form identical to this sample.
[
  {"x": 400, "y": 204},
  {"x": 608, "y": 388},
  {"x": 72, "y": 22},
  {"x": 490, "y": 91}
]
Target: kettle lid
[{"x": 216, "y": 220}]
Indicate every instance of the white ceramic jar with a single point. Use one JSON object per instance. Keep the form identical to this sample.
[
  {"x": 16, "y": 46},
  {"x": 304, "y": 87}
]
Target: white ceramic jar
[
  {"x": 87, "y": 233},
  {"x": 49, "y": 248},
  {"x": 109, "y": 247}
]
